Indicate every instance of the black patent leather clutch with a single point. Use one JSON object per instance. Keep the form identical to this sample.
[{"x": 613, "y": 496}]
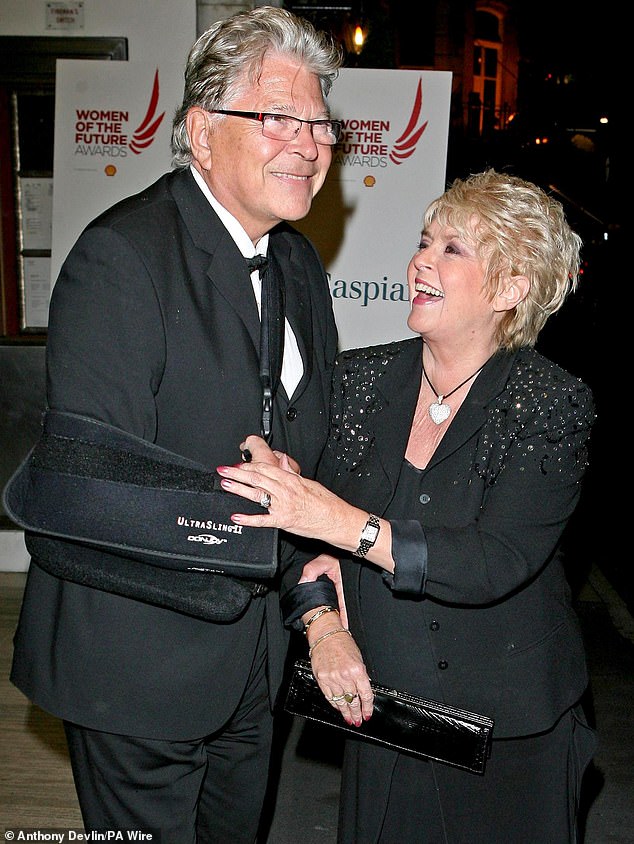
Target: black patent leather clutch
[{"x": 401, "y": 721}]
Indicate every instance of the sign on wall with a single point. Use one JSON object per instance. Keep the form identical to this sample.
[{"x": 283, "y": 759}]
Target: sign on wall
[
  {"x": 113, "y": 126},
  {"x": 112, "y": 138},
  {"x": 366, "y": 220}
]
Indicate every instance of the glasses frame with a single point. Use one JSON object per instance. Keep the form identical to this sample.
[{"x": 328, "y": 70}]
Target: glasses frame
[{"x": 262, "y": 115}]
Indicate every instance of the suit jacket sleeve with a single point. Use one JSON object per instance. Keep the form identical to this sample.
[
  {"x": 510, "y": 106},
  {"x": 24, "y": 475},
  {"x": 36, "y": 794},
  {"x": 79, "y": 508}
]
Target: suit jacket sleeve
[{"x": 106, "y": 344}]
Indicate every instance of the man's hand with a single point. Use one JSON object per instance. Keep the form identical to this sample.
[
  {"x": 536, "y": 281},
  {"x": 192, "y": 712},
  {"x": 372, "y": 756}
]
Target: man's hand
[
  {"x": 257, "y": 449},
  {"x": 325, "y": 564}
]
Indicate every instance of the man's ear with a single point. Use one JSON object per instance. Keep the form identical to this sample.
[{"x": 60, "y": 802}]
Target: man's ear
[
  {"x": 197, "y": 124},
  {"x": 513, "y": 290}
]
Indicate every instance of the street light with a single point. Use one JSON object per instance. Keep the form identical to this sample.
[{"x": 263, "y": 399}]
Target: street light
[
  {"x": 346, "y": 22},
  {"x": 358, "y": 39}
]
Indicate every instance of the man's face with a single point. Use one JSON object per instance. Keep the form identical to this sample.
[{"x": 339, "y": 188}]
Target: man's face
[{"x": 259, "y": 180}]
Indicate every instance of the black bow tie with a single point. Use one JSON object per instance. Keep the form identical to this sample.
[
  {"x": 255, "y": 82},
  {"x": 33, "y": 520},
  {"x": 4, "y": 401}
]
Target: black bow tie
[{"x": 258, "y": 262}]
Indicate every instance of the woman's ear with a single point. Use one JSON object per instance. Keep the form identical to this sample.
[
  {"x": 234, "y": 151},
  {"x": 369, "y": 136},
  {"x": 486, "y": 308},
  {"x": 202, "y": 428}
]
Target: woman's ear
[
  {"x": 513, "y": 290},
  {"x": 198, "y": 132}
]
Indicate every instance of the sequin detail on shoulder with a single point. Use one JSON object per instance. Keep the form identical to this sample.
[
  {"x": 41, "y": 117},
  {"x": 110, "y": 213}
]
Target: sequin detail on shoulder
[
  {"x": 544, "y": 413},
  {"x": 357, "y": 373}
]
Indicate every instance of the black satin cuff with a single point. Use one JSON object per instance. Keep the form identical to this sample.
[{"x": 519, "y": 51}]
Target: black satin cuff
[
  {"x": 306, "y": 596},
  {"x": 409, "y": 551}
]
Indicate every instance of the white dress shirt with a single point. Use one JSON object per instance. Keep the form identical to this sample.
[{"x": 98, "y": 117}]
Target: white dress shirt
[{"x": 292, "y": 364}]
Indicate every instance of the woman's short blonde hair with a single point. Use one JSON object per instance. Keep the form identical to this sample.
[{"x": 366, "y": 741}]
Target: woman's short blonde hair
[{"x": 517, "y": 229}]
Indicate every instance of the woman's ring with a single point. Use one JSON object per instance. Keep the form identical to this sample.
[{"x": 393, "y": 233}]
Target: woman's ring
[
  {"x": 347, "y": 696},
  {"x": 265, "y": 501}
]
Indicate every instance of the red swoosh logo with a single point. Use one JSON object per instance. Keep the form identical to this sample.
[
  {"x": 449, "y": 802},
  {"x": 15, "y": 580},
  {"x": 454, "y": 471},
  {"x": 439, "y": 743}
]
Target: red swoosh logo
[
  {"x": 404, "y": 146},
  {"x": 145, "y": 132}
]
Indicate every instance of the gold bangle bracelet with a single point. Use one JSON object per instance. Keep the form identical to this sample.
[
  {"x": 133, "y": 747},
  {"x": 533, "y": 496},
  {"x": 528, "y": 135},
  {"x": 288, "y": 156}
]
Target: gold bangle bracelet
[
  {"x": 317, "y": 615},
  {"x": 325, "y": 636}
]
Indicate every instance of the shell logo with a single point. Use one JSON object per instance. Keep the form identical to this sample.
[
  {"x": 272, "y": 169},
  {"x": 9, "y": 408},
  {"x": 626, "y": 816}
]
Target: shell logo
[
  {"x": 369, "y": 181},
  {"x": 110, "y": 170}
]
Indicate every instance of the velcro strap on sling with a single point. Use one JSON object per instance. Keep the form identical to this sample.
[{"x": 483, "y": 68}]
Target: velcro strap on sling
[{"x": 99, "y": 490}]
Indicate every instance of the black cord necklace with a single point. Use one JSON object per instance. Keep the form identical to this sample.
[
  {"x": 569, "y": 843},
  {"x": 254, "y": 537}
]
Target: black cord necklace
[{"x": 438, "y": 411}]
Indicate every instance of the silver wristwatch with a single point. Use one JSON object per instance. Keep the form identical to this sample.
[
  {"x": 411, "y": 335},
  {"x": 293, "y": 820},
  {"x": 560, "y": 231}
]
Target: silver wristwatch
[{"x": 369, "y": 535}]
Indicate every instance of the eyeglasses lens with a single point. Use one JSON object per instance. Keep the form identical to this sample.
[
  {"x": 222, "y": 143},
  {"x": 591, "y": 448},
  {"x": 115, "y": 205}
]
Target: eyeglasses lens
[{"x": 284, "y": 128}]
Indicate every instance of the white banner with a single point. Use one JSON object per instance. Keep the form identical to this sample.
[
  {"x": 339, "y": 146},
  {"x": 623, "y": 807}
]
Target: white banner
[
  {"x": 113, "y": 126},
  {"x": 112, "y": 138},
  {"x": 366, "y": 220}
]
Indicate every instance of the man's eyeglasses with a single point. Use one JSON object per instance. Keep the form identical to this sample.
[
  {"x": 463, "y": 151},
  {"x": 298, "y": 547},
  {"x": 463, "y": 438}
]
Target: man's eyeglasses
[{"x": 283, "y": 127}]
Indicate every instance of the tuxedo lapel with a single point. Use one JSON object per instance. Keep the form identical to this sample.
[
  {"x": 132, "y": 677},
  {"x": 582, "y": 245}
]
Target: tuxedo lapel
[
  {"x": 227, "y": 269},
  {"x": 273, "y": 286},
  {"x": 387, "y": 420},
  {"x": 298, "y": 302},
  {"x": 228, "y": 272},
  {"x": 397, "y": 394}
]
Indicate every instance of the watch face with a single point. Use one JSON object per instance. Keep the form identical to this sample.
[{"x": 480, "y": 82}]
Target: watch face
[
  {"x": 370, "y": 532},
  {"x": 368, "y": 536},
  {"x": 371, "y": 529}
]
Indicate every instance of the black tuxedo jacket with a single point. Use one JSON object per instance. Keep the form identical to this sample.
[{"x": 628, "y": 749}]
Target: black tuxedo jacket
[
  {"x": 494, "y": 631},
  {"x": 154, "y": 329}
]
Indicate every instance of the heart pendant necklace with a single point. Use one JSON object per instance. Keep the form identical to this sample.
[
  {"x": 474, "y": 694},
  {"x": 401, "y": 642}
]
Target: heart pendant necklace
[{"x": 438, "y": 411}]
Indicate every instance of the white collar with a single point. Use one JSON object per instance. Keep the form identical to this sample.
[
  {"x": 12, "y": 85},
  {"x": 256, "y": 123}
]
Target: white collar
[{"x": 241, "y": 238}]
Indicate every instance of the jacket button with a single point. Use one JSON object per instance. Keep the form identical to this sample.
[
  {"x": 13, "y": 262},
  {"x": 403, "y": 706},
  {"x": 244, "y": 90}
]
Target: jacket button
[
  {"x": 424, "y": 498},
  {"x": 443, "y": 664},
  {"x": 291, "y": 414},
  {"x": 434, "y": 625}
]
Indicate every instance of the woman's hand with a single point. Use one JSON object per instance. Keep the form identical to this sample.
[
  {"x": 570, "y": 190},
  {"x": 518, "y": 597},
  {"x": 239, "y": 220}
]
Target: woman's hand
[
  {"x": 297, "y": 504},
  {"x": 301, "y": 506},
  {"x": 341, "y": 674},
  {"x": 336, "y": 660}
]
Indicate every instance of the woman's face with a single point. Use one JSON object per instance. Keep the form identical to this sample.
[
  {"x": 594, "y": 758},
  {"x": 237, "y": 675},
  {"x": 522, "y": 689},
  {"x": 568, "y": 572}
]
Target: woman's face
[{"x": 446, "y": 288}]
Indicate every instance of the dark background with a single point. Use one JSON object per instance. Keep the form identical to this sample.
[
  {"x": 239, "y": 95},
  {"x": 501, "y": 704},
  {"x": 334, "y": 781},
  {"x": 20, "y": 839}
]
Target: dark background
[{"x": 571, "y": 72}]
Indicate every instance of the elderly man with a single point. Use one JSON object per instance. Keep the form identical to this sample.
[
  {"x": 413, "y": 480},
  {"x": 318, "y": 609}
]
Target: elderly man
[{"x": 154, "y": 329}]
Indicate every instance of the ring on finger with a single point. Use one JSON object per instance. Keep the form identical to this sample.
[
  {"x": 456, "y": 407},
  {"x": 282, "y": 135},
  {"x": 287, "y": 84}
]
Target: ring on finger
[
  {"x": 265, "y": 500},
  {"x": 337, "y": 698},
  {"x": 349, "y": 697}
]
